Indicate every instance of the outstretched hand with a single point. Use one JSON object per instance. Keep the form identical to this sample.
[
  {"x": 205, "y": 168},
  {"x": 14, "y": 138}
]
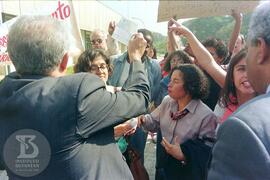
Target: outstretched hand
[
  {"x": 173, "y": 149},
  {"x": 141, "y": 120}
]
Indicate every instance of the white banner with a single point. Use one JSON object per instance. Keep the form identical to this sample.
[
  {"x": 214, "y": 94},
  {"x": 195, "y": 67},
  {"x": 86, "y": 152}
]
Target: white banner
[
  {"x": 62, "y": 10},
  {"x": 194, "y": 9},
  {"x": 4, "y": 58},
  {"x": 124, "y": 29}
]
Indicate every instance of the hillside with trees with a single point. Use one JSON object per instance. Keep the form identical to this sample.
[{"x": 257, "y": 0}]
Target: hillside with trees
[{"x": 220, "y": 27}]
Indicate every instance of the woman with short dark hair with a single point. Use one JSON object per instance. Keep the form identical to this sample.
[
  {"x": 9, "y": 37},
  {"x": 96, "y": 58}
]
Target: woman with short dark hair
[
  {"x": 174, "y": 59},
  {"x": 181, "y": 114},
  {"x": 96, "y": 62},
  {"x": 86, "y": 59}
]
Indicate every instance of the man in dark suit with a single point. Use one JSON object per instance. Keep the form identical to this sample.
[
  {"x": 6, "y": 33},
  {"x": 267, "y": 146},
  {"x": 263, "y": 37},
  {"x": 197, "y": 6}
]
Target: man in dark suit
[
  {"x": 242, "y": 150},
  {"x": 61, "y": 127}
]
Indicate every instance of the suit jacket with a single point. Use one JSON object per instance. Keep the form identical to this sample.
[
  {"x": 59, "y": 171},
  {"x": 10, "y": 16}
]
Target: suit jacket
[
  {"x": 76, "y": 115},
  {"x": 242, "y": 150}
]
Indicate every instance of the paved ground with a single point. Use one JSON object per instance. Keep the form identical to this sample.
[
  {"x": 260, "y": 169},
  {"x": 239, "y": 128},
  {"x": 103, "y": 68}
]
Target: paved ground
[
  {"x": 150, "y": 158},
  {"x": 3, "y": 175}
]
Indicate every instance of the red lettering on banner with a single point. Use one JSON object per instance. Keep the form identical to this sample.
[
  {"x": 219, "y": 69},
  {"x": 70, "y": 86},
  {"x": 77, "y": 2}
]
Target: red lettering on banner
[
  {"x": 67, "y": 11},
  {"x": 4, "y": 58},
  {"x": 3, "y": 41},
  {"x": 62, "y": 11}
]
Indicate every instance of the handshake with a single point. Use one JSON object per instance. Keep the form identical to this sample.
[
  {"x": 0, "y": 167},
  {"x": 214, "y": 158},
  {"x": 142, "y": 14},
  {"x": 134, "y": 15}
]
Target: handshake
[{"x": 129, "y": 127}]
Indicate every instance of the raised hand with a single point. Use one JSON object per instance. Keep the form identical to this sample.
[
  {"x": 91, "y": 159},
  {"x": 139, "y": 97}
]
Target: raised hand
[
  {"x": 178, "y": 28},
  {"x": 111, "y": 27},
  {"x": 171, "y": 22},
  {"x": 136, "y": 47},
  {"x": 236, "y": 15},
  {"x": 173, "y": 43}
]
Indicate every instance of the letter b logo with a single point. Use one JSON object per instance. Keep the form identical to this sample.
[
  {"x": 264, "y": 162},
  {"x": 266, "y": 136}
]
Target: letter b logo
[
  {"x": 26, "y": 143},
  {"x": 27, "y": 152}
]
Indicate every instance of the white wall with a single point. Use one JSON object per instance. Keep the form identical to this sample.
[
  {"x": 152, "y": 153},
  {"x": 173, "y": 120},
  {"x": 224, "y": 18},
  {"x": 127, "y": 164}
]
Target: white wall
[{"x": 90, "y": 14}]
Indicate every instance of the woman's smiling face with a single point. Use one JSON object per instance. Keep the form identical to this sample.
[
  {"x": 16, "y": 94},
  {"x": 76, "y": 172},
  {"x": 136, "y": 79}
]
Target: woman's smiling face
[
  {"x": 240, "y": 79},
  {"x": 100, "y": 68}
]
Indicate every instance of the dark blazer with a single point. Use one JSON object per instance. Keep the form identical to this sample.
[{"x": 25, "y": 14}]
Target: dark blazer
[
  {"x": 242, "y": 150},
  {"x": 77, "y": 115}
]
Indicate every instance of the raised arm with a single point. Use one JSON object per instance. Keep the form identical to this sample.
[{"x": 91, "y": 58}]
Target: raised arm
[
  {"x": 172, "y": 41},
  {"x": 112, "y": 44},
  {"x": 204, "y": 58},
  {"x": 236, "y": 30}
]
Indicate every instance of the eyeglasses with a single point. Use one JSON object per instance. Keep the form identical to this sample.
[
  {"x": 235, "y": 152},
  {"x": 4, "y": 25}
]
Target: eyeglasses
[
  {"x": 94, "y": 41},
  {"x": 95, "y": 68}
]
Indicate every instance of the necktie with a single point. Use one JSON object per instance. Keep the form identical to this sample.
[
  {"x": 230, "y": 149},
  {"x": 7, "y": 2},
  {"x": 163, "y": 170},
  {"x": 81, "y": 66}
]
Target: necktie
[{"x": 179, "y": 114}]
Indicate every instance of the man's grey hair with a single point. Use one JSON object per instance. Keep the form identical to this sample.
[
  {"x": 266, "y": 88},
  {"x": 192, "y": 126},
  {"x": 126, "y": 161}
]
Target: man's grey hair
[
  {"x": 37, "y": 44},
  {"x": 102, "y": 33},
  {"x": 259, "y": 26}
]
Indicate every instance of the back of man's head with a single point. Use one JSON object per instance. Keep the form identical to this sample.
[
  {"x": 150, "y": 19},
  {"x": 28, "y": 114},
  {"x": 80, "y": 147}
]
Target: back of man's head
[
  {"x": 37, "y": 44},
  {"x": 259, "y": 26}
]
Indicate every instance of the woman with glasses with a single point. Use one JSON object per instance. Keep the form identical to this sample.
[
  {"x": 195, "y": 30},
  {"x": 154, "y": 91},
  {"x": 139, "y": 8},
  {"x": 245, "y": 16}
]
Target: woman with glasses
[{"x": 96, "y": 62}]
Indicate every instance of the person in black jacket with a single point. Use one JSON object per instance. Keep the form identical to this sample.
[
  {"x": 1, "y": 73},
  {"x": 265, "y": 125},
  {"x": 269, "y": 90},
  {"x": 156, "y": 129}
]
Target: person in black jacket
[{"x": 61, "y": 127}]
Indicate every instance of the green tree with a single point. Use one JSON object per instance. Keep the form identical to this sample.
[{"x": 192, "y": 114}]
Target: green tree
[
  {"x": 219, "y": 27},
  {"x": 160, "y": 43}
]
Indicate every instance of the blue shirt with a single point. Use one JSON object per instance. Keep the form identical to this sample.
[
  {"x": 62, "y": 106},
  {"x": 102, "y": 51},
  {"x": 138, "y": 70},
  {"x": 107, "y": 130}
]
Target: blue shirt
[
  {"x": 164, "y": 87},
  {"x": 152, "y": 69}
]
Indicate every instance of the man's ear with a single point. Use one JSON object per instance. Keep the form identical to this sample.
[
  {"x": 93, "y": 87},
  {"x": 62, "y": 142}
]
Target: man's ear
[
  {"x": 63, "y": 64},
  {"x": 263, "y": 51}
]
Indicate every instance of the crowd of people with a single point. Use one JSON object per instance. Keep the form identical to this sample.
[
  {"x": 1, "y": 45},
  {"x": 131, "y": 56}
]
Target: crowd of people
[{"x": 207, "y": 101}]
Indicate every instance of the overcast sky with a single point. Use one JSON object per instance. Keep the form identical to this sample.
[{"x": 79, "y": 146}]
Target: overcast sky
[{"x": 144, "y": 13}]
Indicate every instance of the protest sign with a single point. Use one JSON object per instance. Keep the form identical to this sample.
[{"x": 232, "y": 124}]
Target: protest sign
[
  {"x": 62, "y": 10},
  {"x": 194, "y": 9}
]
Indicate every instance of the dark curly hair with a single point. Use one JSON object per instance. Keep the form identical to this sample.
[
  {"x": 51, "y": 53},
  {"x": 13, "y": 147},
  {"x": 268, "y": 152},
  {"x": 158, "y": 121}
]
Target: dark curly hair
[
  {"x": 228, "y": 93},
  {"x": 195, "y": 82},
  {"x": 87, "y": 57},
  {"x": 218, "y": 45},
  {"x": 183, "y": 58}
]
